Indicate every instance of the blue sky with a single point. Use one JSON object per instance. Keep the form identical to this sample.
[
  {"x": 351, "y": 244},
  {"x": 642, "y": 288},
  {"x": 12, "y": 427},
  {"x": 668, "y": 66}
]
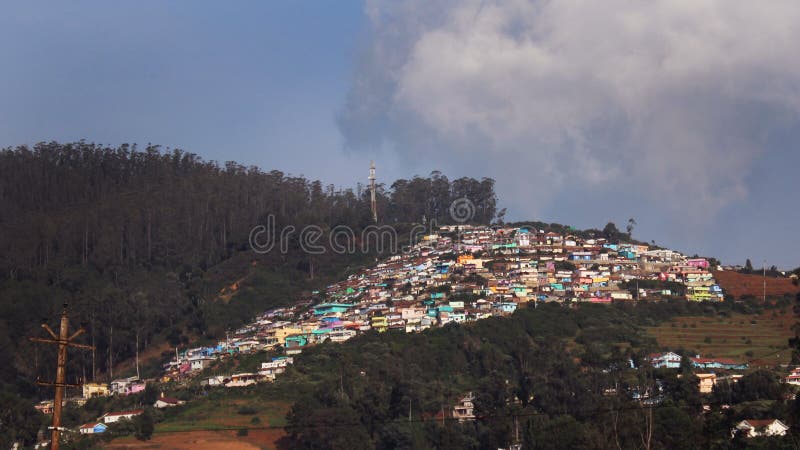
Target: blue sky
[{"x": 583, "y": 115}]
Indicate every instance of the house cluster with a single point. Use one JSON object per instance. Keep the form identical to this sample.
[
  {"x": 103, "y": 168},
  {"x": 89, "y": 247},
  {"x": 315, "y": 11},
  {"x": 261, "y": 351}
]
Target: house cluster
[
  {"x": 102, "y": 422},
  {"x": 459, "y": 274},
  {"x": 706, "y": 380},
  {"x": 121, "y": 386}
]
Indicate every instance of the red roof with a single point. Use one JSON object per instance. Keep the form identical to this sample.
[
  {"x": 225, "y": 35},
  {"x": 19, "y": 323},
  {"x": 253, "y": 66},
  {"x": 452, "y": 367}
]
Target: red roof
[
  {"x": 758, "y": 423},
  {"x": 712, "y": 360},
  {"x": 133, "y": 412}
]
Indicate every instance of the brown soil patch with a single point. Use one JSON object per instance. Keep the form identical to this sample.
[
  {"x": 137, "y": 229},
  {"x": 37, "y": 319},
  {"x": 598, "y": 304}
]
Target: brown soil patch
[
  {"x": 203, "y": 440},
  {"x": 739, "y": 284}
]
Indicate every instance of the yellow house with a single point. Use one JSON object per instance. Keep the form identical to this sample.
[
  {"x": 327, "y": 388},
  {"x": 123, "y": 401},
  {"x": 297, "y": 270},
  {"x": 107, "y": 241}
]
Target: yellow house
[
  {"x": 95, "y": 390},
  {"x": 379, "y": 323},
  {"x": 282, "y": 333},
  {"x": 706, "y": 382}
]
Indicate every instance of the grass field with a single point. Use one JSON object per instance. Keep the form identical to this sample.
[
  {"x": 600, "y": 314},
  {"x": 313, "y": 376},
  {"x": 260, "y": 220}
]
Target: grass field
[{"x": 761, "y": 340}]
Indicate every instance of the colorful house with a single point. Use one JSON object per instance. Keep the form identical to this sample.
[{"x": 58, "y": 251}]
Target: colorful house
[{"x": 92, "y": 428}]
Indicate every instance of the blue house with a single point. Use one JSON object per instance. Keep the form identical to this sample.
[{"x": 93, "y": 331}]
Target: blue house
[
  {"x": 326, "y": 308},
  {"x": 505, "y": 307},
  {"x": 718, "y": 363},
  {"x": 93, "y": 428},
  {"x": 298, "y": 340}
]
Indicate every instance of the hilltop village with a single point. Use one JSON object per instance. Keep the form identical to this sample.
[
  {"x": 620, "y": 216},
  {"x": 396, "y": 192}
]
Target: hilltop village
[{"x": 461, "y": 274}]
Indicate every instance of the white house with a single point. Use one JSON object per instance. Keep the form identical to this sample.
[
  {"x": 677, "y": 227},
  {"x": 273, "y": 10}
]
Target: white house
[
  {"x": 665, "y": 360},
  {"x": 119, "y": 386},
  {"x": 167, "y": 402},
  {"x": 200, "y": 363},
  {"x": 464, "y": 410},
  {"x": 794, "y": 377},
  {"x": 754, "y": 428},
  {"x": 92, "y": 428},
  {"x": 117, "y": 416}
]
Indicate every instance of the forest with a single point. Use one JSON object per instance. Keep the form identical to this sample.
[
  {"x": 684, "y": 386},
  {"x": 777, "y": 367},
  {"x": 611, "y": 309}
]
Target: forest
[
  {"x": 547, "y": 377},
  {"x": 150, "y": 247}
]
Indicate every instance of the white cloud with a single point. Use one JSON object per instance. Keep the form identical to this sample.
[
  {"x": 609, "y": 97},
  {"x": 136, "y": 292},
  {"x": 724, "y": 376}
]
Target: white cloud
[{"x": 672, "y": 98}]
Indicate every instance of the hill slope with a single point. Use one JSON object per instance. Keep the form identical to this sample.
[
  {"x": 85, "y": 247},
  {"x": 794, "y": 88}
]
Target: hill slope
[{"x": 739, "y": 284}]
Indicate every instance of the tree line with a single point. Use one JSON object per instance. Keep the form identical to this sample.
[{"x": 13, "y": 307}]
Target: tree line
[{"x": 142, "y": 241}]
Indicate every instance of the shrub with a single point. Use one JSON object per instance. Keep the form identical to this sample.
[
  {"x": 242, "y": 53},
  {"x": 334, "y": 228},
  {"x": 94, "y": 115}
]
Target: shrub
[{"x": 246, "y": 410}]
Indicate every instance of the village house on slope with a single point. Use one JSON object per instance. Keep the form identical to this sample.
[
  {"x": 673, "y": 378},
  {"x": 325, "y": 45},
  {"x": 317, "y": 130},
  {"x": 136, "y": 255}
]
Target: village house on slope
[{"x": 754, "y": 428}]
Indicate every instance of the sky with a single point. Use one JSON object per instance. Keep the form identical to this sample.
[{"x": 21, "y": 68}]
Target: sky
[{"x": 680, "y": 114}]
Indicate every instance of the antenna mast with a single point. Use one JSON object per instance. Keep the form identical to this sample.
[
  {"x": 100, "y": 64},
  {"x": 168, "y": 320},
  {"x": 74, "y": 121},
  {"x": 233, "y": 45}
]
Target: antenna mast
[{"x": 374, "y": 202}]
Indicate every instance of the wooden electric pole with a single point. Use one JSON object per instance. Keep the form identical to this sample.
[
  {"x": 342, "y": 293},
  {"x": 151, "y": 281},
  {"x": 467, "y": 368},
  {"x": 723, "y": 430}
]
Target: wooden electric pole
[{"x": 63, "y": 339}]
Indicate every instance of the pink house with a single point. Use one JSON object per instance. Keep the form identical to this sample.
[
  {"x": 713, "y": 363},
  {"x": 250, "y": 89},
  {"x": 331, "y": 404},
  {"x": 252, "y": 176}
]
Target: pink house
[
  {"x": 698, "y": 262},
  {"x": 134, "y": 388}
]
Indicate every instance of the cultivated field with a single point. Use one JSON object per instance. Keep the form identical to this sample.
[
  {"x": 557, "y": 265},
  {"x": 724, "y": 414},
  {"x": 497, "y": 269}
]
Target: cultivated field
[
  {"x": 759, "y": 339},
  {"x": 738, "y": 284},
  {"x": 213, "y": 424}
]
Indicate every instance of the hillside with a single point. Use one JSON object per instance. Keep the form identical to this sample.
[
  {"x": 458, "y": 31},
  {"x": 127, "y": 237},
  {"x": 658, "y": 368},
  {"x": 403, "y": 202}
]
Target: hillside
[
  {"x": 146, "y": 244},
  {"x": 550, "y": 367},
  {"x": 739, "y": 285}
]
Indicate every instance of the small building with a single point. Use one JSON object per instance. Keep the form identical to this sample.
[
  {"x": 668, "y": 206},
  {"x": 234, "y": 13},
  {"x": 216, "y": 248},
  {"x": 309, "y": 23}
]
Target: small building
[
  {"x": 113, "y": 417},
  {"x": 793, "y": 378},
  {"x": 200, "y": 363},
  {"x": 328, "y": 308},
  {"x": 464, "y": 410},
  {"x": 750, "y": 428},
  {"x": 45, "y": 406},
  {"x": 91, "y": 390},
  {"x": 93, "y": 428},
  {"x": 718, "y": 363},
  {"x": 167, "y": 402},
  {"x": 669, "y": 360},
  {"x": 706, "y": 382},
  {"x": 122, "y": 386},
  {"x": 243, "y": 379}
]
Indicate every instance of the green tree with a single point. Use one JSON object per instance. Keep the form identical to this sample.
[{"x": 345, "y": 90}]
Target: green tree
[
  {"x": 143, "y": 426},
  {"x": 630, "y": 226}
]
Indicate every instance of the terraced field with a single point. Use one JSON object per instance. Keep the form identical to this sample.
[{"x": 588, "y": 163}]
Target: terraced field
[
  {"x": 738, "y": 285},
  {"x": 761, "y": 340}
]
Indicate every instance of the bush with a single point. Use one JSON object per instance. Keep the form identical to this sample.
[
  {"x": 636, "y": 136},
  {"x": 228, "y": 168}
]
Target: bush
[
  {"x": 246, "y": 410},
  {"x": 255, "y": 420},
  {"x": 242, "y": 432}
]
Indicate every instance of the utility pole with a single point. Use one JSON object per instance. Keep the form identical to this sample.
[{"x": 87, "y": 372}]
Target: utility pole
[
  {"x": 63, "y": 339},
  {"x": 764, "y": 279},
  {"x": 137, "y": 353}
]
